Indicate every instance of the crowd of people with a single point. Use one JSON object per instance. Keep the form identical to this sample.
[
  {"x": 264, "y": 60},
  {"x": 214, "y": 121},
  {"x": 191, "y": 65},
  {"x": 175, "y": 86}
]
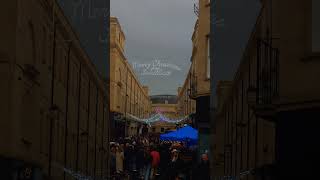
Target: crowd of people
[{"x": 148, "y": 158}]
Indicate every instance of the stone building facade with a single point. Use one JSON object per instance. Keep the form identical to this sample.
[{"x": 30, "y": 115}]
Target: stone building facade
[
  {"x": 127, "y": 94},
  {"x": 54, "y": 104},
  {"x": 185, "y": 105},
  {"x": 167, "y": 105},
  {"x": 265, "y": 120},
  {"x": 200, "y": 73}
]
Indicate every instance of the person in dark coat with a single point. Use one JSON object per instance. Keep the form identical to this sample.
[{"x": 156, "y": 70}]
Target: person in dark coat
[
  {"x": 113, "y": 160},
  {"x": 175, "y": 167},
  {"x": 203, "y": 169},
  {"x": 147, "y": 163},
  {"x": 127, "y": 157},
  {"x": 134, "y": 152},
  {"x": 140, "y": 160},
  {"x": 165, "y": 157}
]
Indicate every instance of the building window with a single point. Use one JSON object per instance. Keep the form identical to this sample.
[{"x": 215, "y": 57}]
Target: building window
[
  {"x": 162, "y": 129},
  {"x": 315, "y": 26},
  {"x": 208, "y": 57},
  {"x": 116, "y": 38}
]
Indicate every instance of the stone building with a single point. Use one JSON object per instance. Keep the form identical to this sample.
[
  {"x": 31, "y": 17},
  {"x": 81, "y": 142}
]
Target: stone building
[
  {"x": 265, "y": 119},
  {"x": 185, "y": 105},
  {"x": 200, "y": 73},
  {"x": 54, "y": 105},
  {"x": 127, "y": 95},
  {"x": 167, "y": 105}
]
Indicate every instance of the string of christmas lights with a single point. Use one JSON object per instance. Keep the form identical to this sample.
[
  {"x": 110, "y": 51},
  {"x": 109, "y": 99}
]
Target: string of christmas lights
[{"x": 158, "y": 117}]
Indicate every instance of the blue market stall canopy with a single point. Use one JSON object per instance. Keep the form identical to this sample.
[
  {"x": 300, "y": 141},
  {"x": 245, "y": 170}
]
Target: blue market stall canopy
[{"x": 187, "y": 134}]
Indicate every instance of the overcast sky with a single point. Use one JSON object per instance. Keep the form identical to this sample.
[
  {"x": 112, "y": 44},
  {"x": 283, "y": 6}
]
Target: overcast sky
[{"x": 157, "y": 31}]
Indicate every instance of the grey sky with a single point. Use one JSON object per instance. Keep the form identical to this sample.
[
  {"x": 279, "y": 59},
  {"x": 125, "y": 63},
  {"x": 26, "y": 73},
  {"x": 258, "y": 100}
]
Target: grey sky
[{"x": 157, "y": 30}]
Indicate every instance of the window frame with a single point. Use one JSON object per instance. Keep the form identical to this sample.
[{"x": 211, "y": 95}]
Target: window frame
[{"x": 208, "y": 59}]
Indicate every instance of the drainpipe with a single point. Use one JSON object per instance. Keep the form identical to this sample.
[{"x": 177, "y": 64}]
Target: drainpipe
[
  {"x": 87, "y": 133},
  {"x": 52, "y": 92},
  {"x": 67, "y": 109},
  {"x": 102, "y": 140},
  {"x": 125, "y": 107},
  {"x": 78, "y": 124},
  {"x": 257, "y": 103},
  {"x": 95, "y": 138}
]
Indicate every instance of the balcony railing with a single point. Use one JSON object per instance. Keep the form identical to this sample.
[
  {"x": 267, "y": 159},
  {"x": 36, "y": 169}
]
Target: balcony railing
[{"x": 267, "y": 72}]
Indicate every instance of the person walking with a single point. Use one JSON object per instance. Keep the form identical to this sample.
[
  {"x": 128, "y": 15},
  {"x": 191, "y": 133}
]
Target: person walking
[
  {"x": 127, "y": 156},
  {"x": 113, "y": 167},
  {"x": 134, "y": 152},
  {"x": 147, "y": 163},
  {"x": 155, "y": 162},
  {"x": 119, "y": 159},
  {"x": 203, "y": 169},
  {"x": 140, "y": 160},
  {"x": 175, "y": 166},
  {"x": 165, "y": 157}
]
